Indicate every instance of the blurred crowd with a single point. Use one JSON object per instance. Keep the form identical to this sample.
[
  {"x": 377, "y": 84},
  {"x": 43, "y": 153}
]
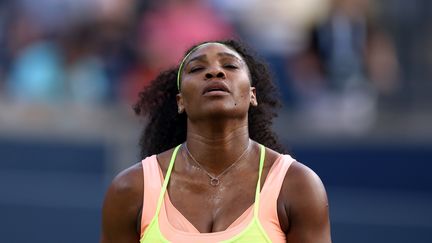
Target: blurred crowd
[{"x": 331, "y": 59}]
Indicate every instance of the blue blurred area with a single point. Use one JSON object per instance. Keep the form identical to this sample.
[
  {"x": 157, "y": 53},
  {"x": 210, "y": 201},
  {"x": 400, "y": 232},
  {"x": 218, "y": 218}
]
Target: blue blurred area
[
  {"x": 354, "y": 76},
  {"x": 379, "y": 166},
  {"x": 49, "y": 156},
  {"x": 379, "y": 193},
  {"x": 51, "y": 192}
]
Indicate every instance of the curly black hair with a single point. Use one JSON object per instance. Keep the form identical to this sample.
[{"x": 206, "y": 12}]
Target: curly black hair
[{"x": 166, "y": 128}]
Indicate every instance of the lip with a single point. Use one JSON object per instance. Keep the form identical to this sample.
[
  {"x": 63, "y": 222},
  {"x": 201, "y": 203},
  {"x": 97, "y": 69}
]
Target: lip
[{"x": 217, "y": 88}]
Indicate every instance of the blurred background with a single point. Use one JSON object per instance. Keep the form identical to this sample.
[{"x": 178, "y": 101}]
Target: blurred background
[{"x": 354, "y": 75}]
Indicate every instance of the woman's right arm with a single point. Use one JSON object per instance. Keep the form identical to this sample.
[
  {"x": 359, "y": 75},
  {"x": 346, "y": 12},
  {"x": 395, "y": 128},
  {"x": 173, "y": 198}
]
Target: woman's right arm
[{"x": 122, "y": 206}]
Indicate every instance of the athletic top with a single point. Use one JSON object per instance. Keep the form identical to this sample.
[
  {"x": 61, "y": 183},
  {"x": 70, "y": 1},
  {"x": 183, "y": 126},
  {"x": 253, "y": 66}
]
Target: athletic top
[{"x": 162, "y": 222}]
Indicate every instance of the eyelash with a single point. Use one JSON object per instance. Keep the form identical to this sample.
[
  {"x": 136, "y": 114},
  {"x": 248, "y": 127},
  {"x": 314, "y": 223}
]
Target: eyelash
[
  {"x": 196, "y": 69},
  {"x": 230, "y": 66}
]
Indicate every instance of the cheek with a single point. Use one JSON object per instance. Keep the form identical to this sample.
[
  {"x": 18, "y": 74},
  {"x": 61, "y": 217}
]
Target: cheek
[
  {"x": 243, "y": 94},
  {"x": 189, "y": 90},
  {"x": 244, "y": 86}
]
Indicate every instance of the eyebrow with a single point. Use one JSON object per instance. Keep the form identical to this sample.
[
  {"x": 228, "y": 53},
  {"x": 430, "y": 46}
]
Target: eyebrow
[{"x": 220, "y": 54}]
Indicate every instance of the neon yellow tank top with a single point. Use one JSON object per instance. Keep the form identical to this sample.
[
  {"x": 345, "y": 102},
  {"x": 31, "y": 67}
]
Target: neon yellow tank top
[{"x": 254, "y": 232}]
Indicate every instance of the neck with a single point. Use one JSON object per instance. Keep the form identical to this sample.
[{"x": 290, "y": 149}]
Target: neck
[{"x": 217, "y": 145}]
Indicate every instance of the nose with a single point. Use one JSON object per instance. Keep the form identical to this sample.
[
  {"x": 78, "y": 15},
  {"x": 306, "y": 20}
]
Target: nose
[{"x": 215, "y": 73}]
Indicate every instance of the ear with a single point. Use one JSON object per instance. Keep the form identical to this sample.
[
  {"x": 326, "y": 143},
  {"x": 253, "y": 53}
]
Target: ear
[
  {"x": 180, "y": 105},
  {"x": 253, "y": 100}
]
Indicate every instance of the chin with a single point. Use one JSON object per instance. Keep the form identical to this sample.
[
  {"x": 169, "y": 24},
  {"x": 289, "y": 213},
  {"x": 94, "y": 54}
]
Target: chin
[{"x": 224, "y": 112}]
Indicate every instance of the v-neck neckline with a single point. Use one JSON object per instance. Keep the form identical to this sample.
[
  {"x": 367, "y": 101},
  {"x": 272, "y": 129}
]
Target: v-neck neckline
[{"x": 246, "y": 215}]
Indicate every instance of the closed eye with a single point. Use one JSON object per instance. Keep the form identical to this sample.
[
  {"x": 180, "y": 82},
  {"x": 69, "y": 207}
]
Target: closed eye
[
  {"x": 230, "y": 66},
  {"x": 195, "y": 69}
]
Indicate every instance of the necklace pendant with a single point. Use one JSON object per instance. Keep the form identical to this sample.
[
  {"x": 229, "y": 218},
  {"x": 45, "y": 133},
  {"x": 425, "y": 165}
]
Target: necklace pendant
[{"x": 214, "y": 181}]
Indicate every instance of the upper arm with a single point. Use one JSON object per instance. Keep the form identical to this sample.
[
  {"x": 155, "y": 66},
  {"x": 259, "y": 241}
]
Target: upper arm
[
  {"x": 121, "y": 207},
  {"x": 307, "y": 206}
]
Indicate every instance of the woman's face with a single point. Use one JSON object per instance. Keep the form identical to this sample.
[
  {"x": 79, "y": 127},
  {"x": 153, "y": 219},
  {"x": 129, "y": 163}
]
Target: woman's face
[{"x": 215, "y": 83}]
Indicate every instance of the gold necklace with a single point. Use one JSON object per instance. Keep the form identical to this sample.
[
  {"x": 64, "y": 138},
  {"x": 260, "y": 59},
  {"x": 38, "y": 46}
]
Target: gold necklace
[{"x": 214, "y": 180}]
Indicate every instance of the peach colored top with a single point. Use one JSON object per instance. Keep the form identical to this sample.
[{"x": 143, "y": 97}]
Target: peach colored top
[{"x": 174, "y": 226}]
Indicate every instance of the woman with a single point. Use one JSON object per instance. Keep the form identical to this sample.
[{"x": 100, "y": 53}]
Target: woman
[{"x": 209, "y": 179}]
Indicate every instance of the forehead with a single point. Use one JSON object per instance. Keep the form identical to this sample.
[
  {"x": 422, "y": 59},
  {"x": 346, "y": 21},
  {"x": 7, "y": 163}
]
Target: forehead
[{"x": 212, "y": 49}]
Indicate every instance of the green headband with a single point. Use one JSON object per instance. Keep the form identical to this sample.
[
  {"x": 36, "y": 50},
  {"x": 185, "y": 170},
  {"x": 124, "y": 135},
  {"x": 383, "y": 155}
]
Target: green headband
[{"x": 184, "y": 59}]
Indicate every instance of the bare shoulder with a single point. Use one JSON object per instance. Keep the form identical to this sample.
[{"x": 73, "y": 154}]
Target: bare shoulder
[
  {"x": 128, "y": 183},
  {"x": 301, "y": 181},
  {"x": 306, "y": 205},
  {"x": 122, "y": 204}
]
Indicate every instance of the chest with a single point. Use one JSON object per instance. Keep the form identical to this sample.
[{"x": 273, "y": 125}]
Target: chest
[{"x": 212, "y": 208}]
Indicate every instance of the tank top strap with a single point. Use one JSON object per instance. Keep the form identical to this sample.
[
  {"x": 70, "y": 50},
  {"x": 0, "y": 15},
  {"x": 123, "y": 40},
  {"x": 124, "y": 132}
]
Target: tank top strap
[
  {"x": 268, "y": 213},
  {"x": 258, "y": 187},
  {"x": 167, "y": 177},
  {"x": 152, "y": 186}
]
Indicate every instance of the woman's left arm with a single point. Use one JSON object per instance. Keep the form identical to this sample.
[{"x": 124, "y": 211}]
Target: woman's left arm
[{"x": 306, "y": 206}]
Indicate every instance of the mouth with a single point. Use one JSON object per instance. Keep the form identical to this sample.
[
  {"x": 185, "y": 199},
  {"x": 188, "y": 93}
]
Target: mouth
[{"x": 216, "y": 88}]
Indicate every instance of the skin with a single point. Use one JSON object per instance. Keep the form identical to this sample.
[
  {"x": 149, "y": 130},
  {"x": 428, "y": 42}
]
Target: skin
[{"x": 217, "y": 134}]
